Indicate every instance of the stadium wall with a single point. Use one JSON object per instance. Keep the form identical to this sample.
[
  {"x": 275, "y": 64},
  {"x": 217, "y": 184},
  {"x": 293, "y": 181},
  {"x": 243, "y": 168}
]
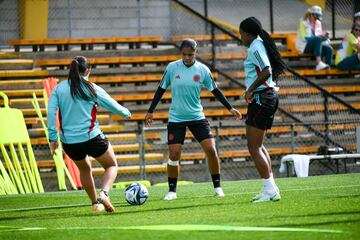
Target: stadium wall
[
  {"x": 9, "y": 20},
  {"x": 93, "y": 18}
]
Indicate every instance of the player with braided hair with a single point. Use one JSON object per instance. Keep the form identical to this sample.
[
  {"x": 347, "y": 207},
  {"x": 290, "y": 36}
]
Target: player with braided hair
[{"x": 262, "y": 66}]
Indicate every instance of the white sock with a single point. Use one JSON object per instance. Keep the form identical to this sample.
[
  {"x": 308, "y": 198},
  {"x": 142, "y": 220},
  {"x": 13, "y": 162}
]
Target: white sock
[
  {"x": 272, "y": 180},
  {"x": 269, "y": 183}
]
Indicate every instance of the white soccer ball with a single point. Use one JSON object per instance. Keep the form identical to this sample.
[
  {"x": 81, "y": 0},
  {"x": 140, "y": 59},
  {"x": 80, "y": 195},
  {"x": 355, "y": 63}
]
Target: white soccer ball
[{"x": 136, "y": 194}]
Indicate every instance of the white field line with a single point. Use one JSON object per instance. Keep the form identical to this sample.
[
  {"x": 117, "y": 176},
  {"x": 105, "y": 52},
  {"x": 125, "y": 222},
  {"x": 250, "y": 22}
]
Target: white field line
[{"x": 185, "y": 227}]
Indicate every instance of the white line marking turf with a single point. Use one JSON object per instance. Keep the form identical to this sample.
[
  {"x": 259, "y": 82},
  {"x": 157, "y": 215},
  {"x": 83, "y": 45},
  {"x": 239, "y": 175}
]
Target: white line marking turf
[{"x": 185, "y": 227}]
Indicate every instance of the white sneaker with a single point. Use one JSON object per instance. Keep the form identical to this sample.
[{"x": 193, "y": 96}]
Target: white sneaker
[
  {"x": 170, "y": 196},
  {"x": 219, "y": 192},
  {"x": 321, "y": 65},
  {"x": 257, "y": 196},
  {"x": 266, "y": 195}
]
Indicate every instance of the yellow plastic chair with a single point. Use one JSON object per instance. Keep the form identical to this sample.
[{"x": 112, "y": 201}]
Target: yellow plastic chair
[
  {"x": 21, "y": 174},
  {"x": 58, "y": 155}
]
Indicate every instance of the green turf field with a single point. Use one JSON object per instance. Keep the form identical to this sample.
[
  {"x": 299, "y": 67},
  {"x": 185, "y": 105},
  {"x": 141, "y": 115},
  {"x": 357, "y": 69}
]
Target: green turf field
[{"x": 324, "y": 207}]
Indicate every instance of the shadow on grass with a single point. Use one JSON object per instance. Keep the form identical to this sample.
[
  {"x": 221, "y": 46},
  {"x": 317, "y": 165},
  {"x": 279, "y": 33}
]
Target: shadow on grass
[
  {"x": 314, "y": 224},
  {"x": 318, "y": 214},
  {"x": 129, "y": 210},
  {"x": 348, "y": 196}
]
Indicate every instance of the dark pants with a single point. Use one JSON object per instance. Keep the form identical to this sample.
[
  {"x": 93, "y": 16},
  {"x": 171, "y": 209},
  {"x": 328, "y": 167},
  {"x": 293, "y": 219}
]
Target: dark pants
[
  {"x": 314, "y": 46},
  {"x": 349, "y": 63}
]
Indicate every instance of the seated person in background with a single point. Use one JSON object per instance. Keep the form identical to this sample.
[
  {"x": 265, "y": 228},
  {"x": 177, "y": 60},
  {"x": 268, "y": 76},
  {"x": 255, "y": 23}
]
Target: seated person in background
[
  {"x": 356, "y": 18},
  {"x": 310, "y": 38},
  {"x": 348, "y": 55}
]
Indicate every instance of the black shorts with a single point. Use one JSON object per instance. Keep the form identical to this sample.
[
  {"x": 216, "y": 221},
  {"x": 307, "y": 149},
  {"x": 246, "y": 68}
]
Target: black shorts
[
  {"x": 200, "y": 129},
  {"x": 95, "y": 147},
  {"x": 261, "y": 111}
]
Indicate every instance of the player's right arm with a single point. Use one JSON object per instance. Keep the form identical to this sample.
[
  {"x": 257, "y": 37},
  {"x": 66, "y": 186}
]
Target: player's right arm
[
  {"x": 163, "y": 85},
  {"x": 106, "y": 101},
  {"x": 53, "y": 106},
  {"x": 51, "y": 115}
]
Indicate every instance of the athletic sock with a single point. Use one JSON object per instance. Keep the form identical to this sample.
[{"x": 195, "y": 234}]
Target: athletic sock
[
  {"x": 269, "y": 183},
  {"x": 172, "y": 184},
  {"x": 105, "y": 192},
  {"x": 216, "y": 180},
  {"x": 273, "y": 181}
]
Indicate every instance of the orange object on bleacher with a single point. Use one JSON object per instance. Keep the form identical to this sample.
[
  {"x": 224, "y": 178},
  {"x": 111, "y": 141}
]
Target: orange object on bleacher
[{"x": 49, "y": 84}]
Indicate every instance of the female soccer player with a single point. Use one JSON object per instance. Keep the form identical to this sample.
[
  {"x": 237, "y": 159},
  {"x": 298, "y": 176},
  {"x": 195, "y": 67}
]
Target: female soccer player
[
  {"x": 186, "y": 77},
  {"x": 77, "y": 100},
  {"x": 262, "y": 65}
]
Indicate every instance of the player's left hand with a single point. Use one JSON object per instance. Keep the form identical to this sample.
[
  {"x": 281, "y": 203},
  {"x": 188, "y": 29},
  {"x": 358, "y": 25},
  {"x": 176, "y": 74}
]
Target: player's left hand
[
  {"x": 53, "y": 147},
  {"x": 236, "y": 114},
  {"x": 148, "y": 119},
  {"x": 248, "y": 96}
]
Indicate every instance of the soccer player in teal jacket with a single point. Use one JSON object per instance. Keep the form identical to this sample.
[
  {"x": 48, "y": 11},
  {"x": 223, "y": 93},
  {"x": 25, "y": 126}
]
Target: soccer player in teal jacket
[
  {"x": 262, "y": 65},
  {"x": 186, "y": 77},
  {"x": 77, "y": 100}
]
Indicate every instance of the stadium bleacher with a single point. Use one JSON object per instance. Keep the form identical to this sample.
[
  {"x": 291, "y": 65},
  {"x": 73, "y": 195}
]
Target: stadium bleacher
[
  {"x": 135, "y": 90},
  {"x": 85, "y": 43},
  {"x": 315, "y": 134}
]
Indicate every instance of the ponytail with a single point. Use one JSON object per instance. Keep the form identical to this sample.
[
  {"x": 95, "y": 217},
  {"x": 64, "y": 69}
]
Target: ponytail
[
  {"x": 253, "y": 26},
  {"x": 77, "y": 68},
  {"x": 277, "y": 64}
]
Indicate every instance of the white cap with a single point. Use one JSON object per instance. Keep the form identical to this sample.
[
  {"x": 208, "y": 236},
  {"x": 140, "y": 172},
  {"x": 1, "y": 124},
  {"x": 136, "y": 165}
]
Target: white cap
[
  {"x": 357, "y": 14},
  {"x": 316, "y": 10}
]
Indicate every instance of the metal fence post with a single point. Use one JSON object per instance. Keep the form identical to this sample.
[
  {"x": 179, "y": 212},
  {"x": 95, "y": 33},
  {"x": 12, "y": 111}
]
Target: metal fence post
[
  {"x": 69, "y": 17},
  {"x": 326, "y": 118},
  {"x": 356, "y": 6},
  {"x": 292, "y": 137},
  {"x": 358, "y": 139},
  {"x": 141, "y": 140},
  {"x": 333, "y": 18},
  {"x": 271, "y": 7},
  {"x": 213, "y": 50},
  {"x": 138, "y": 15},
  {"x": 206, "y": 15}
]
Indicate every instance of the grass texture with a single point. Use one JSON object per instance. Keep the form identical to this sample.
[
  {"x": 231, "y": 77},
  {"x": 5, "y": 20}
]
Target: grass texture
[{"x": 321, "y": 207}]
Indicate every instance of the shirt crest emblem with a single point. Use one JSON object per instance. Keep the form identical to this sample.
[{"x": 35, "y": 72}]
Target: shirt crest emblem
[{"x": 196, "y": 78}]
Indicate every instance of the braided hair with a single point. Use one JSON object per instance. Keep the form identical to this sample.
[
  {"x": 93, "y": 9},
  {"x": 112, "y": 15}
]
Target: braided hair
[
  {"x": 77, "y": 69},
  {"x": 253, "y": 26}
]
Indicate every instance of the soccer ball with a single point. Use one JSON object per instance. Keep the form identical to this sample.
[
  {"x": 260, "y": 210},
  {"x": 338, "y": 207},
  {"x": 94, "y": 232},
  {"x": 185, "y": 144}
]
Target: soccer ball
[{"x": 136, "y": 194}]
